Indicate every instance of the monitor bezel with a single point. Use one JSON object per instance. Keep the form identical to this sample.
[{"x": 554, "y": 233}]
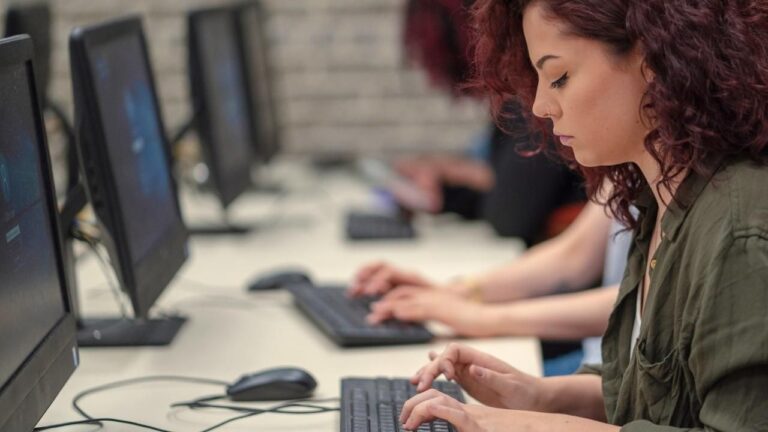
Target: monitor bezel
[
  {"x": 14, "y": 25},
  {"x": 228, "y": 186},
  {"x": 36, "y": 383},
  {"x": 145, "y": 280},
  {"x": 265, "y": 151}
]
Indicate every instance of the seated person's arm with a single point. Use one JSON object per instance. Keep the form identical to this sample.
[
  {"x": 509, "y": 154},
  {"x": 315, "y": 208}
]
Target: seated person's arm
[
  {"x": 452, "y": 170},
  {"x": 567, "y": 262},
  {"x": 562, "y": 317}
]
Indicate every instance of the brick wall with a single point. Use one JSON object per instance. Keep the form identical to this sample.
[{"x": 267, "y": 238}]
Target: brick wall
[{"x": 342, "y": 85}]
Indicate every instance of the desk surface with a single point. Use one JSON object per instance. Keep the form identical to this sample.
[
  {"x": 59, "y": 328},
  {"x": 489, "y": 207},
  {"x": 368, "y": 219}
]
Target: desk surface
[{"x": 231, "y": 332}]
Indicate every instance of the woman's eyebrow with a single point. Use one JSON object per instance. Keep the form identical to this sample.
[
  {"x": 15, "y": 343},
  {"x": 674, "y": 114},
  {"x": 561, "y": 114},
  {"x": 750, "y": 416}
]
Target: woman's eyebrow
[{"x": 542, "y": 60}]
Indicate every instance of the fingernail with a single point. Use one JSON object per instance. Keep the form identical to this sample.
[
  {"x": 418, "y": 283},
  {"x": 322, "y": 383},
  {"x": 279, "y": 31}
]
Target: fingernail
[{"x": 479, "y": 371}]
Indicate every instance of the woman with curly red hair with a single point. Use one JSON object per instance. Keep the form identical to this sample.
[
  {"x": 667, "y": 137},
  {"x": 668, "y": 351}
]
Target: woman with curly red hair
[{"x": 667, "y": 101}]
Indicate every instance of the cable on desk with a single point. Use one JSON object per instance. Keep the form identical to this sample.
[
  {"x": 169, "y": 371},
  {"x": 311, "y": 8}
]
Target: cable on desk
[
  {"x": 98, "y": 421},
  {"x": 310, "y": 405},
  {"x": 298, "y": 407},
  {"x": 128, "y": 382},
  {"x": 283, "y": 408}
]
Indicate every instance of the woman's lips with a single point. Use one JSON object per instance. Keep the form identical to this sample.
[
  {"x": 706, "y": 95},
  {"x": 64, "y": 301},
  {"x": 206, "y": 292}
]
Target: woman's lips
[{"x": 565, "y": 139}]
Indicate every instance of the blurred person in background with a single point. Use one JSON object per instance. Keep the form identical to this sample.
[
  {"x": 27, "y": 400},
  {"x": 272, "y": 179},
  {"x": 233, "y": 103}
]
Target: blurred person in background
[
  {"x": 535, "y": 295},
  {"x": 519, "y": 194}
]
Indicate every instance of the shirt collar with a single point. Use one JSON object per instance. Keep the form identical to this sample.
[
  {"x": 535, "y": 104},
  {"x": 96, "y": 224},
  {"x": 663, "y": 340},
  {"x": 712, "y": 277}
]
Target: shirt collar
[{"x": 687, "y": 193}]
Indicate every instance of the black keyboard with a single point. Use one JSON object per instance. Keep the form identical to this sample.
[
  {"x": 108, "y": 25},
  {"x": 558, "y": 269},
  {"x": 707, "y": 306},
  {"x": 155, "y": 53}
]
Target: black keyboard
[
  {"x": 343, "y": 319},
  {"x": 369, "y": 226},
  {"x": 374, "y": 405}
]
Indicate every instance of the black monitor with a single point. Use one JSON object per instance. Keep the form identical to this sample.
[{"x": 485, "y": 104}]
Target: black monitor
[
  {"x": 220, "y": 102},
  {"x": 37, "y": 328},
  {"x": 125, "y": 161},
  {"x": 250, "y": 22},
  {"x": 35, "y": 20}
]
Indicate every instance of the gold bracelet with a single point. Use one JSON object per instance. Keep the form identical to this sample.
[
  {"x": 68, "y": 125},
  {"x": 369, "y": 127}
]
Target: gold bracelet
[{"x": 474, "y": 289}]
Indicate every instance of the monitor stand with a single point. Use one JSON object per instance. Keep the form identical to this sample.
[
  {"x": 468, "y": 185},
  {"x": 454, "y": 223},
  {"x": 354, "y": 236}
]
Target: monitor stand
[
  {"x": 128, "y": 332},
  {"x": 268, "y": 188},
  {"x": 227, "y": 229},
  {"x": 108, "y": 332}
]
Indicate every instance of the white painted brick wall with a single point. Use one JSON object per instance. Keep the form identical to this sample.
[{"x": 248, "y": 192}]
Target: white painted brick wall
[{"x": 341, "y": 80}]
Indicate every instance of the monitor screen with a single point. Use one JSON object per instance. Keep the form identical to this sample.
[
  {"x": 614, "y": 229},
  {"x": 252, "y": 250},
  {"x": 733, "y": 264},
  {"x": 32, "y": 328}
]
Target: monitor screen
[
  {"x": 134, "y": 143},
  {"x": 31, "y": 297},
  {"x": 224, "y": 94}
]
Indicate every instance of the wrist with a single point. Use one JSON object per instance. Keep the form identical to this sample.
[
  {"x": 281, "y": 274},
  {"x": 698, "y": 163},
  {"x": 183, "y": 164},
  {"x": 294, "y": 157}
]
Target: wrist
[
  {"x": 545, "y": 396},
  {"x": 468, "y": 287}
]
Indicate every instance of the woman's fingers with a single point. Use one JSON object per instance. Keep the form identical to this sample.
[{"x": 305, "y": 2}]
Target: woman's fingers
[
  {"x": 363, "y": 275},
  {"x": 432, "y": 405},
  {"x": 405, "y": 306},
  {"x": 415, "y": 400}
]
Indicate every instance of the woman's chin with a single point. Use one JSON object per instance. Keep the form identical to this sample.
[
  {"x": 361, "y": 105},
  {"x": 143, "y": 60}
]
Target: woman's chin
[{"x": 586, "y": 159}]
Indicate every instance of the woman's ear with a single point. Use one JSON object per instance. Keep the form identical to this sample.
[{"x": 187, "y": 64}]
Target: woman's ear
[{"x": 638, "y": 60}]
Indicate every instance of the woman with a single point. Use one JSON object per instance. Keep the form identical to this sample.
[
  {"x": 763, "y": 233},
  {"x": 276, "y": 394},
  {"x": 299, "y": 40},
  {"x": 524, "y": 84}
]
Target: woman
[{"x": 668, "y": 100}]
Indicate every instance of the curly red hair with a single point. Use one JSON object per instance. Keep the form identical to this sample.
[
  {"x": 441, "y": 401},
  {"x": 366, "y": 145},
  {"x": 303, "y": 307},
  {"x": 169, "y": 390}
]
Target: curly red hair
[{"x": 708, "y": 97}]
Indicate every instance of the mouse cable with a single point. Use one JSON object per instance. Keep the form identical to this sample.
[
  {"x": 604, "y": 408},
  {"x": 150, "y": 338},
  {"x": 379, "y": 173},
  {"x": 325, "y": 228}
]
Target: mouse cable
[
  {"x": 309, "y": 406},
  {"x": 98, "y": 421},
  {"x": 250, "y": 412},
  {"x": 123, "y": 383}
]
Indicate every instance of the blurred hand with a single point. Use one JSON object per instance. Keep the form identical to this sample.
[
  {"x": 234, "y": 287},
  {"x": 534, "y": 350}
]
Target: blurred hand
[
  {"x": 486, "y": 378},
  {"x": 380, "y": 277},
  {"x": 426, "y": 178},
  {"x": 416, "y": 304}
]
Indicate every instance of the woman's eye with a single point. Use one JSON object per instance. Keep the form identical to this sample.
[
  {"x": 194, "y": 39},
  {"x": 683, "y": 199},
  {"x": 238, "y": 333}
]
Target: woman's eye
[{"x": 560, "y": 81}]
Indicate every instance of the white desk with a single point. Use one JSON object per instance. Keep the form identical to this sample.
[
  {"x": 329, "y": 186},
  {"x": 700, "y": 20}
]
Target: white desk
[{"x": 231, "y": 332}]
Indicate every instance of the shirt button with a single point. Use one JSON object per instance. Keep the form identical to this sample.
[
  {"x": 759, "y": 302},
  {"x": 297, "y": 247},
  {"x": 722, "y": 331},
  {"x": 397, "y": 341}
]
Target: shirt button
[{"x": 653, "y": 264}]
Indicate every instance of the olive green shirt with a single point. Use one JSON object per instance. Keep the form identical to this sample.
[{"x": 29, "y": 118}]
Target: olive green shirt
[{"x": 701, "y": 360}]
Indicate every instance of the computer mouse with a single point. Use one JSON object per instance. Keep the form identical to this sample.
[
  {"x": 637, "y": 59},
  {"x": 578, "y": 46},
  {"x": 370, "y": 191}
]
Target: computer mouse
[
  {"x": 273, "y": 384},
  {"x": 279, "y": 279}
]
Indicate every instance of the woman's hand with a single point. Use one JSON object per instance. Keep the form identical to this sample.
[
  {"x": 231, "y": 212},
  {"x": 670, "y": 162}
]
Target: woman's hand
[
  {"x": 380, "y": 277},
  {"x": 416, "y": 304},
  {"x": 486, "y": 378},
  {"x": 432, "y": 405}
]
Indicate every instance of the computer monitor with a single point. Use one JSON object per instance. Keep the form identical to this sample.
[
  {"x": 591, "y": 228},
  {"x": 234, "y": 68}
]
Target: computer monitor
[
  {"x": 250, "y": 22},
  {"x": 125, "y": 161},
  {"x": 219, "y": 99},
  {"x": 35, "y": 20},
  {"x": 37, "y": 328}
]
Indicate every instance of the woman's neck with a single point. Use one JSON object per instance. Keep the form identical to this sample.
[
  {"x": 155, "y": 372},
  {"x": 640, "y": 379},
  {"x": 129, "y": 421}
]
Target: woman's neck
[{"x": 662, "y": 193}]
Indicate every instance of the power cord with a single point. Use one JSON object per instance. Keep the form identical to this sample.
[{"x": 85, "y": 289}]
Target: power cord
[
  {"x": 283, "y": 408},
  {"x": 98, "y": 421},
  {"x": 81, "y": 233},
  {"x": 154, "y": 378},
  {"x": 298, "y": 407}
]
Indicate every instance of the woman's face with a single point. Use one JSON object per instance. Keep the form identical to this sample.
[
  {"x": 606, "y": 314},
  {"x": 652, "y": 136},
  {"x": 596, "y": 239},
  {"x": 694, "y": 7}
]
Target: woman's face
[{"x": 592, "y": 97}]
